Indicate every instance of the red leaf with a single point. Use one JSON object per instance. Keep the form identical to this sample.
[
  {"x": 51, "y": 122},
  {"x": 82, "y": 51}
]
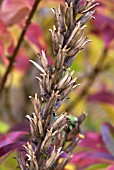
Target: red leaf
[
  {"x": 13, "y": 11},
  {"x": 35, "y": 35},
  {"x": 11, "y": 137},
  {"x": 84, "y": 159},
  {"x": 102, "y": 96},
  {"x": 2, "y": 51},
  {"x": 93, "y": 141},
  {"x": 6, "y": 40},
  {"x": 97, "y": 152},
  {"x": 6, "y": 150},
  {"x": 22, "y": 61}
]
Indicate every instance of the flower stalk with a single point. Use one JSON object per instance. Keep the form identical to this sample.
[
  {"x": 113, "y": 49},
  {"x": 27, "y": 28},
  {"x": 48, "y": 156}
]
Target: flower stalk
[{"x": 49, "y": 131}]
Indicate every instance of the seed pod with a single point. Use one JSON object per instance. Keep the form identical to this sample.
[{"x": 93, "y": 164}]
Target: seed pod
[
  {"x": 73, "y": 34},
  {"x": 85, "y": 17},
  {"x": 37, "y": 66},
  {"x": 63, "y": 80},
  {"x": 55, "y": 40},
  {"x": 61, "y": 20},
  {"x": 66, "y": 91},
  {"x": 48, "y": 83},
  {"x": 45, "y": 62},
  {"x": 69, "y": 15},
  {"x": 60, "y": 58},
  {"x": 68, "y": 61}
]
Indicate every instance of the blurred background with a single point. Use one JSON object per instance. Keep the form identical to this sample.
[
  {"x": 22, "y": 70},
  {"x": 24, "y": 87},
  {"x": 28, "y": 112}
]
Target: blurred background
[{"x": 94, "y": 69}]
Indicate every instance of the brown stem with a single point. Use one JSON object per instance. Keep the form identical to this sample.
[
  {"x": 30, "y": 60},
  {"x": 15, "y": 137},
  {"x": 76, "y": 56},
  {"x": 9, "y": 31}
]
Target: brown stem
[
  {"x": 90, "y": 80},
  {"x": 12, "y": 59}
]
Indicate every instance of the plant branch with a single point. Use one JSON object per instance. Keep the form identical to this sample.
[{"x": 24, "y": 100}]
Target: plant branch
[
  {"x": 90, "y": 80},
  {"x": 12, "y": 58}
]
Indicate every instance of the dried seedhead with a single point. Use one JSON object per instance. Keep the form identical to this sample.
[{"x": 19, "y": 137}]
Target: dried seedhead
[{"x": 50, "y": 131}]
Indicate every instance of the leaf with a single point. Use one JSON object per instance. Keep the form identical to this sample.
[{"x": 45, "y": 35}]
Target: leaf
[
  {"x": 108, "y": 138},
  {"x": 7, "y": 145},
  {"x": 106, "y": 29},
  {"x": 96, "y": 151},
  {"x": 6, "y": 150},
  {"x": 98, "y": 166},
  {"x": 11, "y": 137},
  {"x": 106, "y": 98},
  {"x": 63, "y": 155},
  {"x": 23, "y": 126},
  {"x": 102, "y": 96},
  {"x": 93, "y": 140},
  {"x": 35, "y": 35},
  {"x": 9, "y": 163},
  {"x": 84, "y": 159},
  {"x": 6, "y": 40},
  {"x": 2, "y": 52},
  {"x": 13, "y": 11},
  {"x": 22, "y": 61}
]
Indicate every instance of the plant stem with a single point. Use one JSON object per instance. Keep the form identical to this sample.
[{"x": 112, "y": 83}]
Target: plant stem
[{"x": 12, "y": 59}]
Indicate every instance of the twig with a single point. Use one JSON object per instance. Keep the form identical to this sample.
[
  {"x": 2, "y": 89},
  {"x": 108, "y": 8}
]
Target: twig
[
  {"x": 12, "y": 59},
  {"x": 90, "y": 80}
]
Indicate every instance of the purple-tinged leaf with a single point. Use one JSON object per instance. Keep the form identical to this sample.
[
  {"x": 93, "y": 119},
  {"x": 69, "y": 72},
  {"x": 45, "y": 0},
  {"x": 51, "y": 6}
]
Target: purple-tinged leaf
[
  {"x": 6, "y": 150},
  {"x": 63, "y": 155},
  {"x": 106, "y": 29},
  {"x": 102, "y": 96},
  {"x": 108, "y": 35},
  {"x": 108, "y": 137},
  {"x": 84, "y": 159},
  {"x": 11, "y": 137},
  {"x": 23, "y": 126},
  {"x": 93, "y": 140}
]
